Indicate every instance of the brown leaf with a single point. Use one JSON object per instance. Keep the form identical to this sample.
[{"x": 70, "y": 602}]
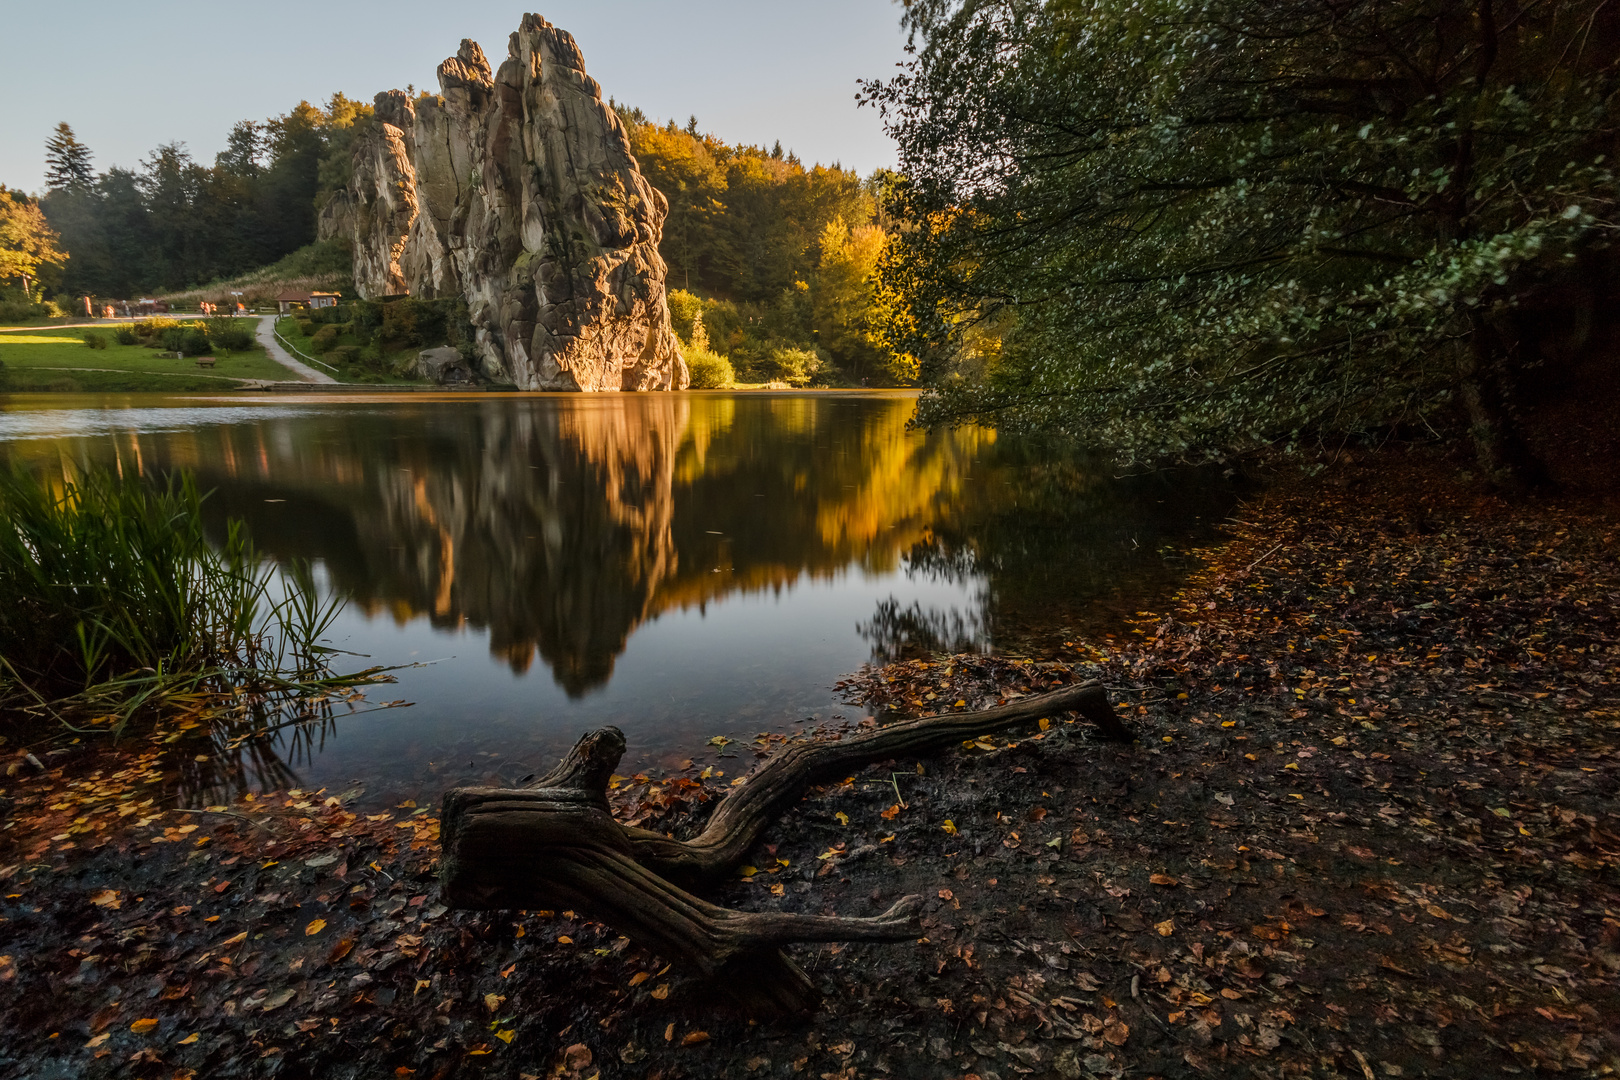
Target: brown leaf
[
  {"x": 141, "y": 1027},
  {"x": 315, "y": 926},
  {"x": 106, "y": 898},
  {"x": 340, "y": 950},
  {"x": 693, "y": 1038},
  {"x": 1163, "y": 879},
  {"x": 1116, "y": 1032}
]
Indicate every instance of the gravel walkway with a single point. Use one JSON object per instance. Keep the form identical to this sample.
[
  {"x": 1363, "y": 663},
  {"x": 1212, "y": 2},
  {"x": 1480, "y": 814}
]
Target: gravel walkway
[{"x": 267, "y": 338}]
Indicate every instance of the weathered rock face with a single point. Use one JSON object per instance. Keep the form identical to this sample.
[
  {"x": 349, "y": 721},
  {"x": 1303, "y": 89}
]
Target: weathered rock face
[{"x": 516, "y": 190}]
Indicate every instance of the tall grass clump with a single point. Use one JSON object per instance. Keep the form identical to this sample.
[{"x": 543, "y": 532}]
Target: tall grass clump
[{"x": 113, "y": 601}]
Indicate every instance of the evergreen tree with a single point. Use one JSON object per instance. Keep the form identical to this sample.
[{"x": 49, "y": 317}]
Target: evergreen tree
[{"x": 67, "y": 161}]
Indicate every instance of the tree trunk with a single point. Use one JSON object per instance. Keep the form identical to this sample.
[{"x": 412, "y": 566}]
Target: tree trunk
[
  {"x": 557, "y": 845},
  {"x": 1486, "y": 388}
]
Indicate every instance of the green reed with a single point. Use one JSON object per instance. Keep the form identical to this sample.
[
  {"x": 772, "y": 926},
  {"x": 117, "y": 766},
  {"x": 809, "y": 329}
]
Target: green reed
[{"x": 114, "y": 602}]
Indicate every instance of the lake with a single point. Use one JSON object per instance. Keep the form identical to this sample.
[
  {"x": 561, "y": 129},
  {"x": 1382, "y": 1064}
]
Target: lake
[{"x": 681, "y": 565}]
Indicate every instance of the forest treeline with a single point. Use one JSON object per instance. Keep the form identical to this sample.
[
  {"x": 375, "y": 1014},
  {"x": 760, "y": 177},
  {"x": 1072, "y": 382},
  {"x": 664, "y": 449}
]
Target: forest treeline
[
  {"x": 771, "y": 262},
  {"x": 174, "y": 222}
]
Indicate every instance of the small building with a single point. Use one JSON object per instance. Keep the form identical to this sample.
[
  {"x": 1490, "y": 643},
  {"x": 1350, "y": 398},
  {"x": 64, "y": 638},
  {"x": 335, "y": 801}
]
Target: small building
[
  {"x": 287, "y": 301},
  {"x": 324, "y": 299}
]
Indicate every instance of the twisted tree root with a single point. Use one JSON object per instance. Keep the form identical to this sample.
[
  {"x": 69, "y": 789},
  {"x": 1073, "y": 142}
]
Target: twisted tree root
[{"x": 556, "y": 845}]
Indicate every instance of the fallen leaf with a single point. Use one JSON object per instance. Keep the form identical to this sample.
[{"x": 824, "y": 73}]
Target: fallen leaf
[
  {"x": 340, "y": 950},
  {"x": 236, "y": 940},
  {"x": 661, "y": 991},
  {"x": 946, "y": 894},
  {"x": 1116, "y": 1032},
  {"x": 1165, "y": 928},
  {"x": 315, "y": 927},
  {"x": 1163, "y": 879},
  {"x": 106, "y": 898},
  {"x": 141, "y": 1027},
  {"x": 639, "y": 977},
  {"x": 843, "y": 818},
  {"x": 492, "y": 1002},
  {"x": 949, "y": 826},
  {"x": 506, "y": 1036},
  {"x": 693, "y": 1038},
  {"x": 277, "y": 1000}
]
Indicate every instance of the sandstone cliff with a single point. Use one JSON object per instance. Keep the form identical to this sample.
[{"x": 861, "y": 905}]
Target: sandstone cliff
[{"x": 516, "y": 190}]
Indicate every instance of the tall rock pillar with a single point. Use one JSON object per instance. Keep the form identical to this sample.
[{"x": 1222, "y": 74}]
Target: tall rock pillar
[{"x": 515, "y": 189}]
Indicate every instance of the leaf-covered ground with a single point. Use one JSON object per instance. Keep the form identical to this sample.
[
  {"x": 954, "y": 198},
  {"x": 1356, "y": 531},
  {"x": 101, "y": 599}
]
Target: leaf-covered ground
[{"x": 1369, "y": 831}]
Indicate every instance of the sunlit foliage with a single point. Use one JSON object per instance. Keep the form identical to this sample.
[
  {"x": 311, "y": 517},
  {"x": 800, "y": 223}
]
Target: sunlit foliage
[{"x": 1201, "y": 226}]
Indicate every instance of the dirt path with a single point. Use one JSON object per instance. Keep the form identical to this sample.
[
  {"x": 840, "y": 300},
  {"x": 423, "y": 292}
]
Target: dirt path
[{"x": 267, "y": 337}]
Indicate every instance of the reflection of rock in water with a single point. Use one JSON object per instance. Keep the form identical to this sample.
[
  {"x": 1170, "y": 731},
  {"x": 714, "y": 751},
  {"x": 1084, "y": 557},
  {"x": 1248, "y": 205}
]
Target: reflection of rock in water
[
  {"x": 561, "y": 524},
  {"x": 555, "y": 538}
]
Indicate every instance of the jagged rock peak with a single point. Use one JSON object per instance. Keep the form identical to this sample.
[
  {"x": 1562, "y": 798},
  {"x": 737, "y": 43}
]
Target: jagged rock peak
[{"x": 515, "y": 189}]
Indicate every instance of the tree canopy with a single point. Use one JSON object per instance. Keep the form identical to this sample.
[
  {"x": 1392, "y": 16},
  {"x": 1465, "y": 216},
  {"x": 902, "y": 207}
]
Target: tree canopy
[
  {"x": 174, "y": 222},
  {"x": 1184, "y": 228},
  {"x": 783, "y": 255},
  {"x": 26, "y": 240}
]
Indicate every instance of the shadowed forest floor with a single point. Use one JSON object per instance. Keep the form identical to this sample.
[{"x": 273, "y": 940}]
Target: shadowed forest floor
[{"x": 1369, "y": 831}]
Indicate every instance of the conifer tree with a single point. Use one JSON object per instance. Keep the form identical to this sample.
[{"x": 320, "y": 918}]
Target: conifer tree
[{"x": 67, "y": 161}]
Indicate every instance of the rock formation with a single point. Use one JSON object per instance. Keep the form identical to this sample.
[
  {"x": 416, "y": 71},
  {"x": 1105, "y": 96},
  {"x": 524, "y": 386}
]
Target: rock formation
[{"x": 515, "y": 189}]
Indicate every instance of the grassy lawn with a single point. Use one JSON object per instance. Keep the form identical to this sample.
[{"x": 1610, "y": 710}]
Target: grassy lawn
[
  {"x": 58, "y": 360},
  {"x": 373, "y": 367}
]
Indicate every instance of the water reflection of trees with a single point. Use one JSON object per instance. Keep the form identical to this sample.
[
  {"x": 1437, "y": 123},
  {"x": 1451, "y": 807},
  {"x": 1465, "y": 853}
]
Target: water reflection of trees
[
  {"x": 560, "y": 524},
  {"x": 1052, "y": 547}
]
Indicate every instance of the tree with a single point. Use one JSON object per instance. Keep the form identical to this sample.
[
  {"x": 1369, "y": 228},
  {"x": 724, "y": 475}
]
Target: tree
[
  {"x": 26, "y": 240},
  {"x": 67, "y": 161},
  {"x": 1211, "y": 225}
]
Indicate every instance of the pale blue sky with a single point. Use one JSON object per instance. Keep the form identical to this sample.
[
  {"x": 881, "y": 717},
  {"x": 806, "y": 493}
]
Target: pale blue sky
[{"x": 129, "y": 76}]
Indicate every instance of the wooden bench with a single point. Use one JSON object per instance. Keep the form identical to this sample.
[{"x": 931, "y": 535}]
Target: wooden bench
[{"x": 205, "y": 361}]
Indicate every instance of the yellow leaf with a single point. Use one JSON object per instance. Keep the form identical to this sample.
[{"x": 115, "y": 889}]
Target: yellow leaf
[
  {"x": 747, "y": 871},
  {"x": 661, "y": 991},
  {"x": 97, "y": 1041},
  {"x": 493, "y": 1001},
  {"x": 960, "y": 703},
  {"x": 843, "y": 818},
  {"x": 1165, "y": 928},
  {"x": 639, "y": 977},
  {"x": 1045, "y": 723},
  {"x": 141, "y": 1027},
  {"x": 564, "y": 939},
  {"x": 237, "y": 940},
  {"x": 189, "y": 1039},
  {"x": 315, "y": 927},
  {"x": 106, "y": 898},
  {"x": 506, "y": 1036},
  {"x": 949, "y": 826}
]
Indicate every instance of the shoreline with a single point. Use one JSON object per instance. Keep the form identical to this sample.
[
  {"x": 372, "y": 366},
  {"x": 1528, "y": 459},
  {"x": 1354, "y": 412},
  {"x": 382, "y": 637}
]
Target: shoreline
[{"x": 1369, "y": 826}]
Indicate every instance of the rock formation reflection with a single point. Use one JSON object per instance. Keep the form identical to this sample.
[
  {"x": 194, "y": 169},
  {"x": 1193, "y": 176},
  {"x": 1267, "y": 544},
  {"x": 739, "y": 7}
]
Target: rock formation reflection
[{"x": 558, "y": 525}]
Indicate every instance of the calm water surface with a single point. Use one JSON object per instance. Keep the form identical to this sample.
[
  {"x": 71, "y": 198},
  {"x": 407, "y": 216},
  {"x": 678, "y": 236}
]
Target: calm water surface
[{"x": 681, "y": 565}]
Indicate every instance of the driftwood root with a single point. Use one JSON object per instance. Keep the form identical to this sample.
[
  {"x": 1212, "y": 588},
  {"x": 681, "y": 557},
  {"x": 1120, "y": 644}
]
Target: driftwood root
[{"x": 557, "y": 845}]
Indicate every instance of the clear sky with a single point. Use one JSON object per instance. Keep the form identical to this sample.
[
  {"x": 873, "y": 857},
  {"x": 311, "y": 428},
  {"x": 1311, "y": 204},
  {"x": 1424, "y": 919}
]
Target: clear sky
[{"x": 129, "y": 76}]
